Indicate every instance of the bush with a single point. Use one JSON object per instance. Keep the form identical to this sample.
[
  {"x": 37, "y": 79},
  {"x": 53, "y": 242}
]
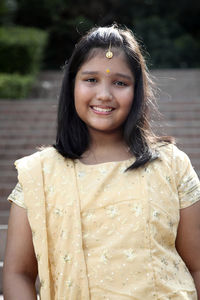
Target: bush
[
  {"x": 188, "y": 49},
  {"x": 21, "y": 49},
  {"x": 15, "y": 86},
  {"x": 7, "y": 11},
  {"x": 167, "y": 43},
  {"x": 158, "y": 23}
]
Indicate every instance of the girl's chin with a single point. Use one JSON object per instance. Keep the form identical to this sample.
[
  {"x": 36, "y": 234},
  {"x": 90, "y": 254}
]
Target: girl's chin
[{"x": 104, "y": 129}]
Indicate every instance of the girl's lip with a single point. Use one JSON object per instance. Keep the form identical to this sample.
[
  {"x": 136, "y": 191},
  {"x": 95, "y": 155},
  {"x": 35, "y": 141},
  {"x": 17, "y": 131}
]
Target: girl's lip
[
  {"x": 102, "y": 106},
  {"x": 101, "y": 109}
]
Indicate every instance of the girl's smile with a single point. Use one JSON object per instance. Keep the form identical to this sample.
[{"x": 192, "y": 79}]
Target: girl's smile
[
  {"x": 102, "y": 110},
  {"x": 103, "y": 99}
]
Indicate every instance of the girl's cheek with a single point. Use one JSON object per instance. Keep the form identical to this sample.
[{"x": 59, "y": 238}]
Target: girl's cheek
[{"x": 83, "y": 89}]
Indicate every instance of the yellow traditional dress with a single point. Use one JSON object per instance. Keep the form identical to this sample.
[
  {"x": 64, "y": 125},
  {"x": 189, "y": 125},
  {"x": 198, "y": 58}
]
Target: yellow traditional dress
[{"x": 102, "y": 233}]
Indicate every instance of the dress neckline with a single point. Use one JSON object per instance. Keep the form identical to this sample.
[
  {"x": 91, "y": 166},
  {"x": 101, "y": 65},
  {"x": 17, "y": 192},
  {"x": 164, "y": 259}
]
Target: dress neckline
[{"x": 108, "y": 163}]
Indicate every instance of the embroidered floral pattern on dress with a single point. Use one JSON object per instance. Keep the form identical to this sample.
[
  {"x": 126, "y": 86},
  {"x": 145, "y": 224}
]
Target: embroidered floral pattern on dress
[{"x": 128, "y": 227}]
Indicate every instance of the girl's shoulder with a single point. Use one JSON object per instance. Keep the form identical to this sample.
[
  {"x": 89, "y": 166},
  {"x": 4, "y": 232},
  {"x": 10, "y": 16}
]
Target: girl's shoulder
[
  {"x": 45, "y": 155},
  {"x": 176, "y": 161},
  {"x": 170, "y": 152},
  {"x": 171, "y": 157}
]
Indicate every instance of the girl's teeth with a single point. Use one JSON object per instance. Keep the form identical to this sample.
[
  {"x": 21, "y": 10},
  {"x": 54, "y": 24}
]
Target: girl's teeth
[{"x": 102, "y": 109}]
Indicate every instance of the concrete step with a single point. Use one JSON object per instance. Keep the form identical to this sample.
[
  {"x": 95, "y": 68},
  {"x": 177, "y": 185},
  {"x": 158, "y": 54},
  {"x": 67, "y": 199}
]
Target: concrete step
[
  {"x": 3, "y": 233},
  {"x": 4, "y": 214},
  {"x": 179, "y": 84}
]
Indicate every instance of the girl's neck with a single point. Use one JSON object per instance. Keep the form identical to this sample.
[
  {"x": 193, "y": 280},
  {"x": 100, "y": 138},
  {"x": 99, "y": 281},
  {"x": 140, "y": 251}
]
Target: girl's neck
[
  {"x": 106, "y": 148},
  {"x": 101, "y": 140}
]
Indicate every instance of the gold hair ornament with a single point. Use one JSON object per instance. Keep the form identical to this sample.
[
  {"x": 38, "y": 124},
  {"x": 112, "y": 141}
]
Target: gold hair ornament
[{"x": 109, "y": 53}]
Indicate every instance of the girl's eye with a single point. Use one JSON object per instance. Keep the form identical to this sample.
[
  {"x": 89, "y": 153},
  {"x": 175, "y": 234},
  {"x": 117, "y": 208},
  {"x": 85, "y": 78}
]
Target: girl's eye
[
  {"x": 120, "y": 83},
  {"x": 91, "y": 80}
]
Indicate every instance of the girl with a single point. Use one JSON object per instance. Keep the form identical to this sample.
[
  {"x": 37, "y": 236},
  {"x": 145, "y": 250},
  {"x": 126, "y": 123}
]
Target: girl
[{"x": 111, "y": 211}]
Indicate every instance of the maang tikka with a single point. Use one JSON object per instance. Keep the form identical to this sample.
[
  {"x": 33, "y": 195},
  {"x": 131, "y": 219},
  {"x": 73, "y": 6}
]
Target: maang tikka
[{"x": 109, "y": 53}]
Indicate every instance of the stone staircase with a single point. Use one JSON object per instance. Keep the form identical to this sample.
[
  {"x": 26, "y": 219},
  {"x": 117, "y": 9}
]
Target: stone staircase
[{"x": 28, "y": 124}]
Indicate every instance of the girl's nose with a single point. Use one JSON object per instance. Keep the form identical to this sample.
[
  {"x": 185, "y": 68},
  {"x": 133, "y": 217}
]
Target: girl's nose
[{"x": 104, "y": 93}]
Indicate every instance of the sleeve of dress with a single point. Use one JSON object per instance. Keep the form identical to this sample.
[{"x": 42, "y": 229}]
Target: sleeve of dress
[
  {"x": 187, "y": 181},
  {"x": 17, "y": 196}
]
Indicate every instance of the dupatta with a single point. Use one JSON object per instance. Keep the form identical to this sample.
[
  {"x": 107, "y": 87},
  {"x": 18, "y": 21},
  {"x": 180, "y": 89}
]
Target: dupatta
[{"x": 53, "y": 209}]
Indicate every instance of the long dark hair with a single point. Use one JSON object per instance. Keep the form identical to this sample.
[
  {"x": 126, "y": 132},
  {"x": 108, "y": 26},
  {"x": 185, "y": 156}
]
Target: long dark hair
[{"x": 72, "y": 134}]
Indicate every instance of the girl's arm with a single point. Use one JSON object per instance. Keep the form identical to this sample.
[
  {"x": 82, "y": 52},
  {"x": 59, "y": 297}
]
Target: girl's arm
[
  {"x": 188, "y": 241},
  {"x": 20, "y": 264}
]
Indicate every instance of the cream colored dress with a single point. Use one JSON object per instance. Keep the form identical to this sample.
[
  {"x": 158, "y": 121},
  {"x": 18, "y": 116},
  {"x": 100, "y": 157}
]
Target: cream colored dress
[{"x": 129, "y": 224}]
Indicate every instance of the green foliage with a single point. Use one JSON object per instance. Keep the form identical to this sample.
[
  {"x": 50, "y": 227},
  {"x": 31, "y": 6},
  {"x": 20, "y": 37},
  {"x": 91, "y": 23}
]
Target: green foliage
[
  {"x": 64, "y": 34},
  {"x": 169, "y": 46},
  {"x": 14, "y": 86},
  {"x": 21, "y": 52},
  {"x": 38, "y": 13},
  {"x": 169, "y": 29},
  {"x": 188, "y": 49},
  {"x": 7, "y": 11},
  {"x": 21, "y": 49}
]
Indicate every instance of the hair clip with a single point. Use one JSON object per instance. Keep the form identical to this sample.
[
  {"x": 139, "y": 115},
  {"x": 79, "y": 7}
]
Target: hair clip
[{"x": 109, "y": 53}]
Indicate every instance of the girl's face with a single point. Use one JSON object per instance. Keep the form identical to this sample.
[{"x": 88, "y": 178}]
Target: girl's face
[{"x": 104, "y": 91}]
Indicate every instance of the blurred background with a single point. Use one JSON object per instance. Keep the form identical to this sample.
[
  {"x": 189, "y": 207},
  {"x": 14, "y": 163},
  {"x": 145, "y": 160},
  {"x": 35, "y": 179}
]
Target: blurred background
[
  {"x": 169, "y": 30},
  {"x": 38, "y": 36}
]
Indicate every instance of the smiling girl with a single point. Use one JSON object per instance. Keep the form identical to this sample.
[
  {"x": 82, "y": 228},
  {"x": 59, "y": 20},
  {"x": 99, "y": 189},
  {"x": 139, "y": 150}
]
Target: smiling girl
[
  {"x": 111, "y": 211},
  {"x": 108, "y": 89}
]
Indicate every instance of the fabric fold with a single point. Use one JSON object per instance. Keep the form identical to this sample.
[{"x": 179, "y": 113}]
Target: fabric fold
[{"x": 54, "y": 228}]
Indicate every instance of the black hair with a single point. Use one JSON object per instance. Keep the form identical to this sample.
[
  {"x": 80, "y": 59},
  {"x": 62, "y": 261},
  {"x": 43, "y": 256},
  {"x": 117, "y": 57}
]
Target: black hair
[{"x": 72, "y": 134}]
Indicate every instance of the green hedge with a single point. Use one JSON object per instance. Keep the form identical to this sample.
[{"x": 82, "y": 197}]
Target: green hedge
[
  {"x": 21, "y": 49},
  {"x": 15, "y": 86},
  {"x": 169, "y": 46}
]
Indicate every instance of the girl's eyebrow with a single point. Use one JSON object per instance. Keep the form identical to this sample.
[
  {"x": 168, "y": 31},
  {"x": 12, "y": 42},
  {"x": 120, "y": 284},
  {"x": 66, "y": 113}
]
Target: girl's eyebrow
[
  {"x": 117, "y": 74},
  {"x": 124, "y": 76},
  {"x": 89, "y": 73}
]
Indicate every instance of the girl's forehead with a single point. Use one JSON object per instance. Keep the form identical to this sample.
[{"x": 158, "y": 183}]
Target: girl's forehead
[
  {"x": 100, "y": 52},
  {"x": 98, "y": 60},
  {"x": 98, "y": 63}
]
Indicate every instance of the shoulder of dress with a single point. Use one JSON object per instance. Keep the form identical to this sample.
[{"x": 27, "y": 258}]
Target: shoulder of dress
[
  {"x": 48, "y": 152},
  {"x": 171, "y": 150},
  {"x": 170, "y": 153},
  {"x": 51, "y": 154},
  {"x": 37, "y": 156},
  {"x": 48, "y": 155},
  {"x": 164, "y": 148},
  {"x": 165, "y": 152}
]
